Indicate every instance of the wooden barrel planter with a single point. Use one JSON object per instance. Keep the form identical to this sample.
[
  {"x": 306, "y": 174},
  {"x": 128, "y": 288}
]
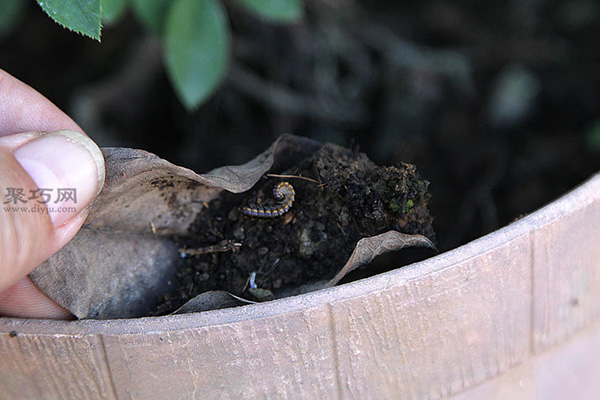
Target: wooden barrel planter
[{"x": 514, "y": 314}]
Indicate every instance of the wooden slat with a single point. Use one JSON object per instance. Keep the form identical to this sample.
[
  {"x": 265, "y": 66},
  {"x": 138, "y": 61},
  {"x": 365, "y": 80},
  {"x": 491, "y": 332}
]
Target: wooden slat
[
  {"x": 565, "y": 372},
  {"x": 438, "y": 334},
  {"x": 566, "y": 265},
  {"x": 280, "y": 357},
  {"x": 53, "y": 367}
]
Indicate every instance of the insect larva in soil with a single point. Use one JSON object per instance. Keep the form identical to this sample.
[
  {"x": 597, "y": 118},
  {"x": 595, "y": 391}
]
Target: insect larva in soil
[{"x": 284, "y": 192}]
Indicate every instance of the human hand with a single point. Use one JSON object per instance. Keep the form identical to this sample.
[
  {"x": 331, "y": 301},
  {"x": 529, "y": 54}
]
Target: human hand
[{"x": 47, "y": 180}]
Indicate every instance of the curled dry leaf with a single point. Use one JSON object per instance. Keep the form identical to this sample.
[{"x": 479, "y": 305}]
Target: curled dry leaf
[
  {"x": 366, "y": 250},
  {"x": 369, "y": 248},
  {"x": 127, "y": 253},
  {"x": 212, "y": 300},
  {"x": 124, "y": 255}
]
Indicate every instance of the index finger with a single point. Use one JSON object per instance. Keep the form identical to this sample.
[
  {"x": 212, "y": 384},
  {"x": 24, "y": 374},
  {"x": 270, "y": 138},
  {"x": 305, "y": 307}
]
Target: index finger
[{"x": 23, "y": 109}]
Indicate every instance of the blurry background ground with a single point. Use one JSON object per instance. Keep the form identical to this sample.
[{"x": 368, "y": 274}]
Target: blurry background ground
[{"x": 497, "y": 103}]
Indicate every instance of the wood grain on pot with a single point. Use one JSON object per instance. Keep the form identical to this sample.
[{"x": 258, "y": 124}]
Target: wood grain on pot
[{"x": 511, "y": 315}]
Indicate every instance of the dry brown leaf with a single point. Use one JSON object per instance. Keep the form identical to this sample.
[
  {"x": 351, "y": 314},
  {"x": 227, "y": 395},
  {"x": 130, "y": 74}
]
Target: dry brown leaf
[
  {"x": 123, "y": 257},
  {"x": 369, "y": 248},
  {"x": 211, "y": 300}
]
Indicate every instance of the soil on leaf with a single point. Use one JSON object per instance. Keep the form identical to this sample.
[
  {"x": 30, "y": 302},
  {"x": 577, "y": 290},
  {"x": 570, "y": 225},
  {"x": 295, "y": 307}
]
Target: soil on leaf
[{"x": 340, "y": 197}]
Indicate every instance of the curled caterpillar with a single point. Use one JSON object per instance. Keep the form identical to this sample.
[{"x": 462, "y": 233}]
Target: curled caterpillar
[{"x": 284, "y": 192}]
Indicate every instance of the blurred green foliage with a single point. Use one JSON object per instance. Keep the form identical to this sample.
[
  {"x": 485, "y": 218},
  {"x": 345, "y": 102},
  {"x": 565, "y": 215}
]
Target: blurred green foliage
[
  {"x": 12, "y": 11},
  {"x": 196, "y": 48},
  {"x": 113, "y": 10},
  {"x": 275, "y": 10},
  {"x": 196, "y": 33},
  {"x": 152, "y": 13},
  {"x": 592, "y": 136}
]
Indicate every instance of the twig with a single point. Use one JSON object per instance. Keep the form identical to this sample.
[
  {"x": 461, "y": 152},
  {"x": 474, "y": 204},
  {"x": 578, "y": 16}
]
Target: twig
[
  {"x": 293, "y": 177},
  {"x": 221, "y": 247}
]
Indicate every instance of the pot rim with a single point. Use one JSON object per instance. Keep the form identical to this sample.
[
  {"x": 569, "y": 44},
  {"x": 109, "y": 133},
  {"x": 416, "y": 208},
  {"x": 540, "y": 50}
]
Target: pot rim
[{"x": 574, "y": 200}]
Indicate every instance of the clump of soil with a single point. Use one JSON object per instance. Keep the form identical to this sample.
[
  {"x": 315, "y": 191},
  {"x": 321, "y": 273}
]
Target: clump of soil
[{"x": 341, "y": 197}]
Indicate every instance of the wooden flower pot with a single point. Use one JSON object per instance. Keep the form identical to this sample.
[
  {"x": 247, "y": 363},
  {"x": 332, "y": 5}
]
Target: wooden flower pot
[{"x": 513, "y": 315}]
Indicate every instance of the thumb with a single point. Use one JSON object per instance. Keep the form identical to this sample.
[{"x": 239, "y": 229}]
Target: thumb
[{"x": 46, "y": 183}]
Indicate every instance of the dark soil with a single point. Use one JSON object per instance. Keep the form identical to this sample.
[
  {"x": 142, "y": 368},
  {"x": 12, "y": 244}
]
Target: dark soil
[{"x": 341, "y": 197}]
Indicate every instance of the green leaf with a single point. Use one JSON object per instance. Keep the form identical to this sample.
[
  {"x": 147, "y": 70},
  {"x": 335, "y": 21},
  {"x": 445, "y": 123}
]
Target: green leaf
[
  {"x": 279, "y": 11},
  {"x": 197, "y": 48},
  {"x": 592, "y": 136},
  {"x": 152, "y": 13},
  {"x": 11, "y": 12},
  {"x": 113, "y": 10},
  {"x": 81, "y": 16}
]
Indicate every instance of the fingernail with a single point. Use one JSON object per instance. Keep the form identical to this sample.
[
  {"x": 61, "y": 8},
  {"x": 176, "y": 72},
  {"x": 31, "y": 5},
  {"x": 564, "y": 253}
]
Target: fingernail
[{"x": 68, "y": 169}]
